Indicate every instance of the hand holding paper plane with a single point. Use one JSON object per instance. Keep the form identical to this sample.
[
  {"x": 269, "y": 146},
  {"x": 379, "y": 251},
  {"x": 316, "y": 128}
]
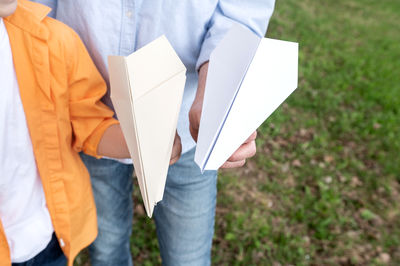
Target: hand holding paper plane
[
  {"x": 146, "y": 91},
  {"x": 248, "y": 78}
]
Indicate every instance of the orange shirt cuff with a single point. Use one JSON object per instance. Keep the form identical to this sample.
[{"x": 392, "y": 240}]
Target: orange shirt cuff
[{"x": 91, "y": 144}]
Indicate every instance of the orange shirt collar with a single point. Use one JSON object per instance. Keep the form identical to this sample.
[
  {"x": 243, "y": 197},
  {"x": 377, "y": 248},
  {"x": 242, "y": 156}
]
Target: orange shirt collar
[{"x": 28, "y": 16}]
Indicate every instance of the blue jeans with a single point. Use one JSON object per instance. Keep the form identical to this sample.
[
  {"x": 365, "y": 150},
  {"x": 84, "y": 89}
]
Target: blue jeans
[
  {"x": 52, "y": 255},
  {"x": 184, "y": 218}
]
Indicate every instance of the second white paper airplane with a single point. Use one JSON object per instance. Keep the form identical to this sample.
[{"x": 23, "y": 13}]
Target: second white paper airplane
[
  {"x": 248, "y": 78},
  {"x": 146, "y": 91}
]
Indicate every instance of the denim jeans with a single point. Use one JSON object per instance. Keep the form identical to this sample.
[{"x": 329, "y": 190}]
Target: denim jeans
[
  {"x": 112, "y": 185},
  {"x": 52, "y": 255},
  {"x": 184, "y": 218}
]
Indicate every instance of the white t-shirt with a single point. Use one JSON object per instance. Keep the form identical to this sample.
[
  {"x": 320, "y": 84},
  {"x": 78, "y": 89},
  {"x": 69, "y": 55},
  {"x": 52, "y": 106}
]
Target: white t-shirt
[{"x": 23, "y": 209}]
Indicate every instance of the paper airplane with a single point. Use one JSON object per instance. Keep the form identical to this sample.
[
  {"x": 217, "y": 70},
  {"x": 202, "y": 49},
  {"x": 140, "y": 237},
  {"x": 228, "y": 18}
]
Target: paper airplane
[
  {"x": 248, "y": 78},
  {"x": 146, "y": 91}
]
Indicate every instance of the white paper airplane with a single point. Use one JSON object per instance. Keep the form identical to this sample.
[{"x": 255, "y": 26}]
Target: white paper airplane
[
  {"x": 146, "y": 91},
  {"x": 248, "y": 78}
]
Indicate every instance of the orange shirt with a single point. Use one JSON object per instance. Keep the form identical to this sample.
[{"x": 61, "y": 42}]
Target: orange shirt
[{"x": 60, "y": 90}]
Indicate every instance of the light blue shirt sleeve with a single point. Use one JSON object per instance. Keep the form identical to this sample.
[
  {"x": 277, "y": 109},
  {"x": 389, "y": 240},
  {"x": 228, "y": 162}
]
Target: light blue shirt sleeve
[{"x": 254, "y": 14}]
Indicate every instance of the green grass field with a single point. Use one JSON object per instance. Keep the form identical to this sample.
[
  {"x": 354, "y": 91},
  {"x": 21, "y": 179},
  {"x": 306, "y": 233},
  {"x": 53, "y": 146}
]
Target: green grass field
[{"x": 324, "y": 188}]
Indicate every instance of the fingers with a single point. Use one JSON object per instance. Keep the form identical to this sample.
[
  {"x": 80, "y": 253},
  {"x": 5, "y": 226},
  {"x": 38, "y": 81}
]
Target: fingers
[
  {"x": 247, "y": 150},
  {"x": 252, "y": 137},
  {"x": 176, "y": 150},
  {"x": 228, "y": 164}
]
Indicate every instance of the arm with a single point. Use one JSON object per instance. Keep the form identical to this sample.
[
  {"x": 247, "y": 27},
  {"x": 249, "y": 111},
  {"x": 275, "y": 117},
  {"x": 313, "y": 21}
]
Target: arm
[
  {"x": 255, "y": 15},
  {"x": 112, "y": 144},
  {"x": 246, "y": 150},
  {"x": 95, "y": 130}
]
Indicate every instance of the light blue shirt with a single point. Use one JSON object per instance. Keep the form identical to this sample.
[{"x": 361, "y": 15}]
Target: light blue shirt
[{"x": 193, "y": 27}]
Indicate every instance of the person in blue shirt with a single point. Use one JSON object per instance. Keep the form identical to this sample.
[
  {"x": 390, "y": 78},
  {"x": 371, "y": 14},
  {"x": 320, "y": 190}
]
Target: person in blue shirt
[{"x": 185, "y": 216}]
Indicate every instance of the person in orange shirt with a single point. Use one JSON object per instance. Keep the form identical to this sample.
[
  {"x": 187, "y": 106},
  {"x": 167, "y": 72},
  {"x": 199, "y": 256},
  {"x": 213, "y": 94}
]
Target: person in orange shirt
[{"x": 50, "y": 110}]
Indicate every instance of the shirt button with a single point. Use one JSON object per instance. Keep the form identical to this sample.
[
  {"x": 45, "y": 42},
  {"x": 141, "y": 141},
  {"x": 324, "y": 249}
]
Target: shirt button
[{"x": 129, "y": 14}]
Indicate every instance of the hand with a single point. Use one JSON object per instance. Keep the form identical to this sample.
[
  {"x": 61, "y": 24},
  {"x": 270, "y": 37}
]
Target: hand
[
  {"x": 246, "y": 150},
  {"x": 176, "y": 149}
]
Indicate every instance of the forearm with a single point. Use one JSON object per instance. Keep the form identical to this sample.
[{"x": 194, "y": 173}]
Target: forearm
[
  {"x": 202, "y": 82},
  {"x": 113, "y": 144}
]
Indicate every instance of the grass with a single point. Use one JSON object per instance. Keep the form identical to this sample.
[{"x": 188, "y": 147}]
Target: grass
[{"x": 324, "y": 187}]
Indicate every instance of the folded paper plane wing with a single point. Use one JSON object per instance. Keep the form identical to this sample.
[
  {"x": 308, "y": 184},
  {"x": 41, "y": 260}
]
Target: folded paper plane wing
[
  {"x": 248, "y": 78},
  {"x": 146, "y": 91}
]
